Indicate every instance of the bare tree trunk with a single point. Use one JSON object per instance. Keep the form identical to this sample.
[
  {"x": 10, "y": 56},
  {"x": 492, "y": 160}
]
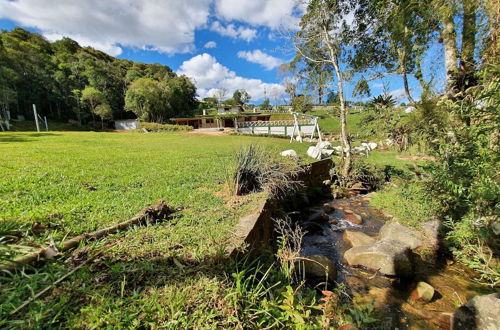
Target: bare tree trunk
[
  {"x": 420, "y": 76},
  {"x": 343, "y": 109},
  {"x": 402, "y": 67},
  {"x": 450, "y": 51}
]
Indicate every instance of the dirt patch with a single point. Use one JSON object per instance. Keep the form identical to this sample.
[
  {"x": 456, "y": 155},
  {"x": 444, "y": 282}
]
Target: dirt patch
[
  {"x": 231, "y": 201},
  {"x": 416, "y": 158},
  {"x": 207, "y": 132}
]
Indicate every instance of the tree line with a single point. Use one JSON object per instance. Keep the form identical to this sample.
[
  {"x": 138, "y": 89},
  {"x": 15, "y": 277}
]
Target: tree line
[{"x": 70, "y": 82}]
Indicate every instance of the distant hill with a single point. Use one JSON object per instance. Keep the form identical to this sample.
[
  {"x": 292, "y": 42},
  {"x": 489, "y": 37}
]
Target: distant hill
[{"x": 53, "y": 75}]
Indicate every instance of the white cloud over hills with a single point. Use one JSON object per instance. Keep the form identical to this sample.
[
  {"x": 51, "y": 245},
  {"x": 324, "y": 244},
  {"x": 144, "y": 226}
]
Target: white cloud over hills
[
  {"x": 164, "y": 26},
  {"x": 209, "y": 75}
]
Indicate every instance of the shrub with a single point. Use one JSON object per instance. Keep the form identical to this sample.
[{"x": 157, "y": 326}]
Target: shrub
[
  {"x": 466, "y": 178},
  {"x": 474, "y": 245},
  {"x": 155, "y": 127},
  {"x": 410, "y": 203},
  {"x": 362, "y": 173},
  {"x": 256, "y": 169}
]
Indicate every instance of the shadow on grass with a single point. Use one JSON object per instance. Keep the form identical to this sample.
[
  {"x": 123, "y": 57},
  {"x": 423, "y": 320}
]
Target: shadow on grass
[
  {"x": 114, "y": 287},
  {"x": 8, "y": 137}
]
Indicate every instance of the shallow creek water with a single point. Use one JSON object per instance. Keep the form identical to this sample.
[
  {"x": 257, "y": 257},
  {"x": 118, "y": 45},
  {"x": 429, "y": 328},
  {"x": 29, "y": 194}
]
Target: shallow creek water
[{"x": 390, "y": 296}]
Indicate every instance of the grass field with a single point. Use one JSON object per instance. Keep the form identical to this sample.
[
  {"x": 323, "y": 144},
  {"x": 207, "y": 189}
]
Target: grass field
[
  {"x": 167, "y": 274},
  {"x": 74, "y": 182}
]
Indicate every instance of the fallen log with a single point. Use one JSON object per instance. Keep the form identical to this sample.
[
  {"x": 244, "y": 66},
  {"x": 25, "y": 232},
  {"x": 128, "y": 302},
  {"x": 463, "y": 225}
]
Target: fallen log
[{"x": 156, "y": 212}]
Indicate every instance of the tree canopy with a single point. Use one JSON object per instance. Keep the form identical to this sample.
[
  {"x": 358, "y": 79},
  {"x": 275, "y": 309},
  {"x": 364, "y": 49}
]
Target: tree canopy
[{"x": 54, "y": 76}]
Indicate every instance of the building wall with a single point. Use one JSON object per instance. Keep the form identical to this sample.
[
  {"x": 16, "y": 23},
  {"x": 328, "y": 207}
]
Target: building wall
[
  {"x": 127, "y": 124},
  {"x": 276, "y": 130},
  {"x": 208, "y": 123}
]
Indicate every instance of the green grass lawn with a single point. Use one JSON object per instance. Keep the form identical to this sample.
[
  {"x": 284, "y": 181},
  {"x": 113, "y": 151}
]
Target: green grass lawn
[
  {"x": 329, "y": 123},
  {"x": 29, "y": 125},
  {"x": 167, "y": 274},
  {"x": 75, "y": 182}
]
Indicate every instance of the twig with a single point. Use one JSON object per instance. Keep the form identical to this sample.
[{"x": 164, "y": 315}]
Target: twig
[
  {"x": 374, "y": 275},
  {"x": 149, "y": 212},
  {"x": 59, "y": 280}
]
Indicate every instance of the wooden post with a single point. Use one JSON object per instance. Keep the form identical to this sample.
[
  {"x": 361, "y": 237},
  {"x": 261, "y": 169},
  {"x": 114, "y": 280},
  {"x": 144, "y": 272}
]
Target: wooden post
[{"x": 36, "y": 118}]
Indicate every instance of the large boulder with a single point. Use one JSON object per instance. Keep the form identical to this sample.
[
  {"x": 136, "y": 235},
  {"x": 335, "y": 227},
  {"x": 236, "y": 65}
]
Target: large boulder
[
  {"x": 388, "y": 257},
  {"x": 314, "y": 152},
  {"x": 338, "y": 149},
  {"x": 357, "y": 238},
  {"x": 289, "y": 153},
  {"x": 393, "y": 231},
  {"x": 423, "y": 292},
  {"x": 354, "y": 218},
  {"x": 318, "y": 267},
  {"x": 369, "y": 145},
  {"x": 324, "y": 145},
  {"x": 481, "y": 312},
  {"x": 327, "y": 152}
]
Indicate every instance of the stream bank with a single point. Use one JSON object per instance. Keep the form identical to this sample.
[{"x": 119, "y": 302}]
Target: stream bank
[{"x": 328, "y": 226}]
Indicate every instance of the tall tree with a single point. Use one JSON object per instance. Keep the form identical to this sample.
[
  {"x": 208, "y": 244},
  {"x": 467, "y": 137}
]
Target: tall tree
[
  {"x": 321, "y": 39},
  {"x": 92, "y": 97},
  {"x": 220, "y": 94},
  {"x": 241, "y": 96},
  {"x": 392, "y": 35},
  {"x": 144, "y": 97}
]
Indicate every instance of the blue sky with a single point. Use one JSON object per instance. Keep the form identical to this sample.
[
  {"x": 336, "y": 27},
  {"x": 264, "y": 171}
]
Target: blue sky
[{"x": 220, "y": 44}]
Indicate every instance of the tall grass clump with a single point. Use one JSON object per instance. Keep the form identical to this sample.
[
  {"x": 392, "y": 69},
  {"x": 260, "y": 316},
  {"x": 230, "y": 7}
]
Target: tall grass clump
[
  {"x": 265, "y": 293},
  {"x": 362, "y": 176},
  {"x": 256, "y": 169}
]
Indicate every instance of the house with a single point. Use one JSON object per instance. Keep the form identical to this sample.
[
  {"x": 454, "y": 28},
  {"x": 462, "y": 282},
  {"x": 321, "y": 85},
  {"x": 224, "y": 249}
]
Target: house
[
  {"x": 253, "y": 122},
  {"x": 221, "y": 120},
  {"x": 228, "y": 116},
  {"x": 226, "y": 109}
]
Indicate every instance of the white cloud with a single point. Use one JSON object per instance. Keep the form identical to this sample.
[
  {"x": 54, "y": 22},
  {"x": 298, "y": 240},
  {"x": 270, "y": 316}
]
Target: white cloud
[
  {"x": 209, "y": 75},
  {"x": 257, "y": 56},
  {"x": 234, "y": 32},
  {"x": 211, "y": 44},
  {"x": 270, "y": 13},
  {"x": 165, "y": 26},
  {"x": 398, "y": 94}
]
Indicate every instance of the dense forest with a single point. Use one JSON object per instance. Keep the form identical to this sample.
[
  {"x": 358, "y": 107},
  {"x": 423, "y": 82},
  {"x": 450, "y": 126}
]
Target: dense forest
[{"x": 70, "y": 82}]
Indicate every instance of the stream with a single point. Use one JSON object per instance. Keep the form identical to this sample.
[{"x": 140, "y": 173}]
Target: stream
[{"x": 390, "y": 295}]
